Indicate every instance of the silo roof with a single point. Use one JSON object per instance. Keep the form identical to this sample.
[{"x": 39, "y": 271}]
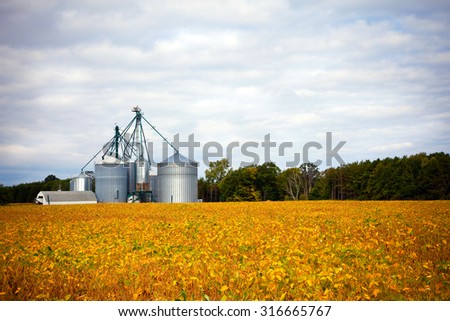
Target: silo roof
[
  {"x": 178, "y": 159},
  {"x": 83, "y": 175}
]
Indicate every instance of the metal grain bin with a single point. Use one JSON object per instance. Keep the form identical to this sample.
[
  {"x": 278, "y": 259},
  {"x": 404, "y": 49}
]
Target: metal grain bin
[
  {"x": 154, "y": 187},
  {"x": 177, "y": 180},
  {"x": 142, "y": 180},
  {"x": 81, "y": 183},
  {"x": 111, "y": 182},
  {"x": 131, "y": 168}
]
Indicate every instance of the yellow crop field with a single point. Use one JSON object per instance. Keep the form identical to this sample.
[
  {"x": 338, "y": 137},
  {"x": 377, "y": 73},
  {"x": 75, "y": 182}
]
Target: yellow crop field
[{"x": 323, "y": 250}]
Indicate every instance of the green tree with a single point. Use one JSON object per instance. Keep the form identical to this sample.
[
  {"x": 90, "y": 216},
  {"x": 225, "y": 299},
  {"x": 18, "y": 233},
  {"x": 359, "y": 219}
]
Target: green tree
[
  {"x": 214, "y": 175},
  {"x": 309, "y": 173},
  {"x": 267, "y": 183},
  {"x": 240, "y": 185},
  {"x": 203, "y": 190},
  {"x": 418, "y": 176},
  {"x": 5, "y": 195},
  {"x": 435, "y": 177},
  {"x": 50, "y": 178}
]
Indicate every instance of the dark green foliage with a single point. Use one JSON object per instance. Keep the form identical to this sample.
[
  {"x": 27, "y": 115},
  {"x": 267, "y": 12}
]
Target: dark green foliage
[
  {"x": 420, "y": 177},
  {"x": 252, "y": 183},
  {"x": 209, "y": 189},
  {"x": 267, "y": 183},
  {"x": 26, "y": 193},
  {"x": 240, "y": 185},
  {"x": 50, "y": 178},
  {"x": 203, "y": 190}
]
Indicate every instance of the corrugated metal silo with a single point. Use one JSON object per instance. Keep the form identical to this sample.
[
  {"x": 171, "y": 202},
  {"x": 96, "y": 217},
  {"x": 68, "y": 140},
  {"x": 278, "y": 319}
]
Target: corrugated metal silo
[
  {"x": 131, "y": 168},
  {"x": 177, "y": 180},
  {"x": 154, "y": 187},
  {"x": 111, "y": 182},
  {"x": 81, "y": 183},
  {"x": 142, "y": 180}
]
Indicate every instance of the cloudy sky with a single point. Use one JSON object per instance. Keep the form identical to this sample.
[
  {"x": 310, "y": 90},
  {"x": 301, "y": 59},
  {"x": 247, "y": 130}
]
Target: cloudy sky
[{"x": 375, "y": 74}]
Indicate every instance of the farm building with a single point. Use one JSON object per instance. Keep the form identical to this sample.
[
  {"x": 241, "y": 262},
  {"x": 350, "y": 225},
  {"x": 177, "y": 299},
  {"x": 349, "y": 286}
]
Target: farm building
[{"x": 65, "y": 197}]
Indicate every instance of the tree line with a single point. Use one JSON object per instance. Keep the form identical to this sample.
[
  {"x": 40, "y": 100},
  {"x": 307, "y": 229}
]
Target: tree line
[
  {"x": 416, "y": 177},
  {"x": 27, "y": 192}
]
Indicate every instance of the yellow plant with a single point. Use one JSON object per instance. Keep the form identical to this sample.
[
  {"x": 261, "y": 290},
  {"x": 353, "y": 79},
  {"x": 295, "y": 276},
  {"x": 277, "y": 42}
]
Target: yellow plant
[{"x": 327, "y": 250}]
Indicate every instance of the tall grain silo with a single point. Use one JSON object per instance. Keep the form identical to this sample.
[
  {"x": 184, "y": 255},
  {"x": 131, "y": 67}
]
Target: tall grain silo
[
  {"x": 111, "y": 181},
  {"x": 81, "y": 183},
  {"x": 131, "y": 168},
  {"x": 177, "y": 180},
  {"x": 142, "y": 180},
  {"x": 154, "y": 187}
]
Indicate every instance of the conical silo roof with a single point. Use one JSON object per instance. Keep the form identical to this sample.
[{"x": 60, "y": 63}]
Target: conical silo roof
[{"x": 177, "y": 159}]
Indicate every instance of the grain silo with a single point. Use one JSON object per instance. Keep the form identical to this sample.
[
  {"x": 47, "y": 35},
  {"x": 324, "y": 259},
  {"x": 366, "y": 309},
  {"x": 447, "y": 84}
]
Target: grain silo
[
  {"x": 131, "y": 168},
  {"x": 154, "y": 187},
  {"x": 81, "y": 183},
  {"x": 111, "y": 181},
  {"x": 177, "y": 180},
  {"x": 123, "y": 174},
  {"x": 142, "y": 179}
]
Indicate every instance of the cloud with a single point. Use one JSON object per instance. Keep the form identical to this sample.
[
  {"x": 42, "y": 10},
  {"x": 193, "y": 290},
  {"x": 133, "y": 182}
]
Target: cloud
[
  {"x": 375, "y": 74},
  {"x": 391, "y": 147}
]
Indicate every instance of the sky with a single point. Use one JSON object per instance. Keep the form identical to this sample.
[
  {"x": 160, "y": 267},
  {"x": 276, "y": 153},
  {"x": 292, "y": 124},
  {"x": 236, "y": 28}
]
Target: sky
[{"x": 374, "y": 74}]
